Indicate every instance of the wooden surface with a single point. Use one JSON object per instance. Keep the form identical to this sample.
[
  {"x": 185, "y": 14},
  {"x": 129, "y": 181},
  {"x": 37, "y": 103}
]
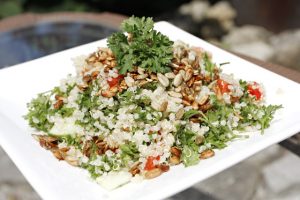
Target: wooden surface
[{"x": 30, "y": 19}]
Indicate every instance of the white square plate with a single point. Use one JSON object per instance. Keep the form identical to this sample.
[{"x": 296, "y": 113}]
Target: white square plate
[{"x": 57, "y": 180}]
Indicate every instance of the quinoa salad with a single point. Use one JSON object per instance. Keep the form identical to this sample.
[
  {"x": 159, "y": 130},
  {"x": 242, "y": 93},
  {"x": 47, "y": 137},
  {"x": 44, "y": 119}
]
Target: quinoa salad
[{"x": 144, "y": 104}]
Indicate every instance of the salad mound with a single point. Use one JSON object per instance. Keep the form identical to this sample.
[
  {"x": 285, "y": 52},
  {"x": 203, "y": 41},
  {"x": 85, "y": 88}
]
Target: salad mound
[{"x": 144, "y": 104}]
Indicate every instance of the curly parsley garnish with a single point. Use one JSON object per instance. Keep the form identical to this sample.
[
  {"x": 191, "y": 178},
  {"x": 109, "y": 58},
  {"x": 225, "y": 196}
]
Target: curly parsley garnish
[{"x": 143, "y": 46}]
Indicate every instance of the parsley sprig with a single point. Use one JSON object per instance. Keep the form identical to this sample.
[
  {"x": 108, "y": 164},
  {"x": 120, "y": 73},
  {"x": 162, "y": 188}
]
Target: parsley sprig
[{"x": 143, "y": 46}]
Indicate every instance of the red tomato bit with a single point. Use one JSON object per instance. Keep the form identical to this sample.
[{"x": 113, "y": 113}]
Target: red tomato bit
[
  {"x": 115, "y": 81},
  {"x": 223, "y": 86},
  {"x": 149, "y": 164},
  {"x": 254, "y": 90}
]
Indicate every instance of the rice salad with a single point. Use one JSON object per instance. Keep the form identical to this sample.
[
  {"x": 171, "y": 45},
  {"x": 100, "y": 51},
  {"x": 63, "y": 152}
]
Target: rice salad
[{"x": 123, "y": 119}]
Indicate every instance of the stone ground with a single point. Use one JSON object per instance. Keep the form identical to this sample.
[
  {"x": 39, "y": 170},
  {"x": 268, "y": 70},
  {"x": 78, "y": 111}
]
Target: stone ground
[{"x": 271, "y": 174}]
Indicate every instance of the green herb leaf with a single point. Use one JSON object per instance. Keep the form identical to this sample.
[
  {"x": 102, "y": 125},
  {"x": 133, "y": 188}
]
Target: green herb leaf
[
  {"x": 144, "y": 46},
  {"x": 190, "y": 114},
  {"x": 189, "y": 156},
  {"x": 39, "y": 109}
]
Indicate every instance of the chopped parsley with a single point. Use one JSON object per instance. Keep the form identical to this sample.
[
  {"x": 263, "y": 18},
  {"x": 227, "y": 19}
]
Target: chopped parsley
[{"x": 143, "y": 47}]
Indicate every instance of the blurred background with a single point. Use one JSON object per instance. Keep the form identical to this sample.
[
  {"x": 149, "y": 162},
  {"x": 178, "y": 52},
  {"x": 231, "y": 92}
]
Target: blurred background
[{"x": 268, "y": 30}]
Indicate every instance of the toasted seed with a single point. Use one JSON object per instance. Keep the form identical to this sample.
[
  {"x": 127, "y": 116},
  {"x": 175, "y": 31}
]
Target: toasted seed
[
  {"x": 109, "y": 58},
  {"x": 199, "y": 139},
  {"x": 64, "y": 149},
  {"x": 126, "y": 129},
  {"x": 191, "y": 82},
  {"x": 195, "y": 105},
  {"x": 103, "y": 56},
  {"x": 58, "y": 104},
  {"x": 153, "y": 173},
  {"x": 87, "y": 78},
  {"x": 185, "y": 61},
  {"x": 175, "y": 151},
  {"x": 58, "y": 154},
  {"x": 141, "y": 76},
  {"x": 163, "y": 80},
  {"x": 95, "y": 74},
  {"x": 134, "y": 169},
  {"x": 142, "y": 82},
  {"x": 110, "y": 92},
  {"x": 71, "y": 161},
  {"x": 177, "y": 80},
  {"x": 149, "y": 80},
  {"x": 153, "y": 76},
  {"x": 178, "y": 89},
  {"x": 174, "y": 160},
  {"x": 197, "y": 88},
  {"x": 199, "y": 77},
  {"x": 170, "y": 75},
  {"x": 91, "y": 59},
  {"x": 191, "y": 98},
  {"x": 129, "y": 81},
  {"x": 182, "y": 72},
  {"x": 179, "y": 114},
  {"x": 163, "y": 106},
  {"x": 197, "y": 83},
  {"x": 57, "y": 97},
  {"x": 113, "y": 63},
  {"x": 106, "y": 69},
  {"x": 188, "y": 74},
  {"x": 175, "y": 94},
  {"x": 176, "y": 100},
  {"x": 202, "y": 100},
  {"x": 164, "y": 167},
  {"x": 195, "y": 120},
  {"x": 174, "y": 65},
  {"x": 186, "y": 103},
  {"x": 140, "y": 70},
  {"x": 205, "y": 107},
  {"x": 45, "y": 141},
  {"x": 207, "y": 154}
]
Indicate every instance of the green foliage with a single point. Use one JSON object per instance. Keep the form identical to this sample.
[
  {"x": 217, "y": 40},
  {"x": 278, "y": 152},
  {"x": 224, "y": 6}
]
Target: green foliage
[
  {"x": 190, "y": 114},
  {"x": 9, "y": 8},
  {"x": 129, "y": 152},
  {"x": 143, "y": 47},
  {"x": 189, "y": 156},
  {"x": 38, "y": 111}
]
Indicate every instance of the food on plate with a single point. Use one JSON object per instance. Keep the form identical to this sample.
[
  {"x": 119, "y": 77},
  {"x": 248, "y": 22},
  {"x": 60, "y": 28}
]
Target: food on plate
[{"x": 144, "y": 104}]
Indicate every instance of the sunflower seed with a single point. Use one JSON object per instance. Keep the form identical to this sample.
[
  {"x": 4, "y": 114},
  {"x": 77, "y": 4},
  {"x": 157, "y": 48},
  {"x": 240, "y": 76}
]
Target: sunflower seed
[
  {"x": 179, "y": 114},
  {"x": 141, "y": 70},
  {"x": 163, "y": 80},
  {"x": 141, "y": 76},
  {"x": 177, "y": 80},
  {"x": 153, "y": 173},
  {"x": 207, "y": 154},
  {"x": 201, "y": 101},
  {"x": 163, "y": 106},
  {"x": 175, "y": 94},
  {"x": 170, "y": 75}
]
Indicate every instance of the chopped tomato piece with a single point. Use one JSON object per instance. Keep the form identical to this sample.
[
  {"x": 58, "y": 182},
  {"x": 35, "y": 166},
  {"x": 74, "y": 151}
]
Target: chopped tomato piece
[
  {"x": 254, "y": 90},
  {"x": 114, "y": 81},
  {"x": 223, "y": 86},
  {"x": 149, "y": 164}
]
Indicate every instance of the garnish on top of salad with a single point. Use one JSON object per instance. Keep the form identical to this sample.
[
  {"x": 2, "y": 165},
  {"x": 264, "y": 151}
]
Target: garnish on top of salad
[{"x": 145, "y": 104}]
